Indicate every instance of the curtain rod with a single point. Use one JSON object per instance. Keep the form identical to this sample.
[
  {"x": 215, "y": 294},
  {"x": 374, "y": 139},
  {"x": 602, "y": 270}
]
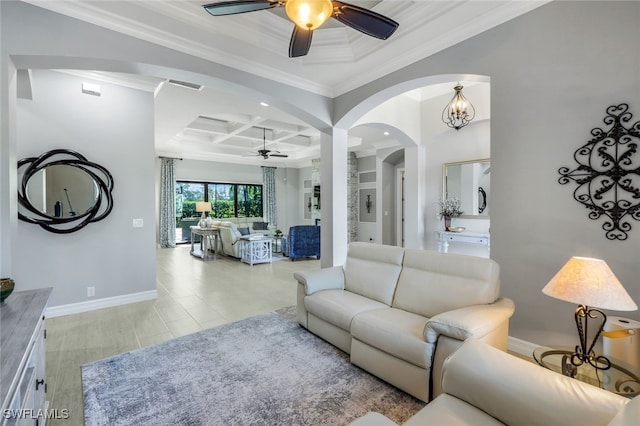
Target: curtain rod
[{"x": 170, "y": 158}]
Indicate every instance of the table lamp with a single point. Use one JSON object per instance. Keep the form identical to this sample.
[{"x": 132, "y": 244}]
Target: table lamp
[
  {"x": 591, "y": 284},
  {"x": 203, "y": 206}
]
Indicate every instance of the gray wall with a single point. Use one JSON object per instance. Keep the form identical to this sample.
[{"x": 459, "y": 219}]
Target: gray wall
[
  {"x": 553, "y": 73},
  {"x": 116, "y": 131}
]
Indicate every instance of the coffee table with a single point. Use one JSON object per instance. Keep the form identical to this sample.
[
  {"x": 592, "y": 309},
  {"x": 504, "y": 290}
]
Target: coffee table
[{"x": 621, "y": 378}]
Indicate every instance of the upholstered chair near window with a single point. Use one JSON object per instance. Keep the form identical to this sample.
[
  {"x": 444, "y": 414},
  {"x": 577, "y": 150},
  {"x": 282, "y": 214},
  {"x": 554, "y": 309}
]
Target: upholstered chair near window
[{"x": 302, "y": 241}]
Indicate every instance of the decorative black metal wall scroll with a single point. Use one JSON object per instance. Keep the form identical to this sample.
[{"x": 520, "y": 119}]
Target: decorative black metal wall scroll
[
  {"x": 608, "y": 173},
  {"x": 63, "y": 192}
]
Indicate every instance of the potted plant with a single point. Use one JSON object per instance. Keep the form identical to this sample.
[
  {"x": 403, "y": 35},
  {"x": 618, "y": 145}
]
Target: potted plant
[
  {"x": 278, "y": 233},
  {"x": 449, "y": 207}
]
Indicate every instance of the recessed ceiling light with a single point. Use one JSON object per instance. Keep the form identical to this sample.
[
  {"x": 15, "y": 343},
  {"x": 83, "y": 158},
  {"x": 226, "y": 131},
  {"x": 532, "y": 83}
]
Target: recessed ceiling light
[
  {"x": 264, "y": 103},
  {"x": 386, "y": 133},
  {"x": 91, "y": 89}
]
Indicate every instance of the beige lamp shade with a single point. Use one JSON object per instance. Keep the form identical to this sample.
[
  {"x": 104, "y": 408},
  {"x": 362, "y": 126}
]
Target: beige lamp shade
[
  {"x": 203, "y": 206},
  {"x": 589, "y": 282}
]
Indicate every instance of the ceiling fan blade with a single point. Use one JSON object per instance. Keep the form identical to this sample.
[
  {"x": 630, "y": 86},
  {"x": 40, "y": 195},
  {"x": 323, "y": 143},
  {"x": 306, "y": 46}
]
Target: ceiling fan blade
[
  {"x": 364, "y": 20},
  {"x": 234, "y": 7},
  {"x": 300, "y": 42},
  {"x": 278, "y": 155}
]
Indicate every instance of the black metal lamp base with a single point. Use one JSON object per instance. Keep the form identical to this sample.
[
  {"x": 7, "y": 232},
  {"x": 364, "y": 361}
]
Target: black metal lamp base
[{"x": 583, "y": 352}]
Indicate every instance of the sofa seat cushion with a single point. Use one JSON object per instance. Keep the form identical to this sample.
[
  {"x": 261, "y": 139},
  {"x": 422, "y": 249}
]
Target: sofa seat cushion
[
  {"x": 451, "y": 411},
  {"x": 395, "y": 332},
  {"x": 338, "y": 307}
]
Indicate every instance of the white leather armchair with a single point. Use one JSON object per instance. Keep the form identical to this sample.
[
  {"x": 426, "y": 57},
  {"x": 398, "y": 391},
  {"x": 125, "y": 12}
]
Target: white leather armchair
[{"x": 485, "y": 386}]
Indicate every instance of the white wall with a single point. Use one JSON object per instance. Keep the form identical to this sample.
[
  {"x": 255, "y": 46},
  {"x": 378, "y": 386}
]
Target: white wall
[
  {"x": 114, "y": 130},
  {"x": 210, "y": 171}
]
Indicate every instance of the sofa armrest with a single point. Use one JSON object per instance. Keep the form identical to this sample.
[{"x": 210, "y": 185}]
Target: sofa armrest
[
  {"x": 469, "y": 322},
  {"x": 322, "y": 279}
]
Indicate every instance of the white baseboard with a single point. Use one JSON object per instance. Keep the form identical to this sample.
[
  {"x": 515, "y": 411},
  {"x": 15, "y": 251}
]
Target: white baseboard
[
  {"x": 107, "y": 302},
  {"x": 521, "y": 347}
]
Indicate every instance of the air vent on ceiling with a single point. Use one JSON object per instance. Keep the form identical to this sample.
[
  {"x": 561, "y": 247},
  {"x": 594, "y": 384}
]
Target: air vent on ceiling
[{"x": 192, "y": 86}]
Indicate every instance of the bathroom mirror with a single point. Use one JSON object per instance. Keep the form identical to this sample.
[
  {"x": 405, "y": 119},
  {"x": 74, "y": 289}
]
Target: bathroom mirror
[
  {"x": 62, "y": 192},
  {"x": 469, "y": 181}
]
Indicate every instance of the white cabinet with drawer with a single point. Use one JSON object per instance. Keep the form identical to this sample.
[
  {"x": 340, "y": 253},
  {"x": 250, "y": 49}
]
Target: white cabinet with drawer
[
  {"x": 22, "y": 370},
  {"x": 446, "y": 237}
]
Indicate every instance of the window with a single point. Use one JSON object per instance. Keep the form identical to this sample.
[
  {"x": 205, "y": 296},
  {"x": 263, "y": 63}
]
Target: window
[
  {"x": 187, "y": 194},
  {"x": 227, "y": 199}
]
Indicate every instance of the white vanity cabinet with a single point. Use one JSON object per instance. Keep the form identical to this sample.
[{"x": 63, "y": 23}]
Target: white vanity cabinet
[{"x": 22, "y": 360}]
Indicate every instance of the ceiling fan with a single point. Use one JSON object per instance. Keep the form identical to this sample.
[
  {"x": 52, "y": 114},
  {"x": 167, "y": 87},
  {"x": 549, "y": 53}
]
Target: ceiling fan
[
  {"x": 264, "y": 152},
  {"x": 308, "y": 15}
]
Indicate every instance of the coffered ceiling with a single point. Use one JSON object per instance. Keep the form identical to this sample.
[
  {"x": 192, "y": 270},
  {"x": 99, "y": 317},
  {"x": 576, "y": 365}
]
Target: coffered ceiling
[{"x": 340, "y": 59}]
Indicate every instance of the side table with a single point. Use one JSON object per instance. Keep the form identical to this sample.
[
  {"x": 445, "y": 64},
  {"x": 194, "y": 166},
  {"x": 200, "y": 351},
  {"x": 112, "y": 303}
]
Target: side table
[
  {"x": 255, "y": 249},
  {"x": 622, "y": 379},
  {"x": 277, "y": 243},
  {"x": 208, "y": 242}
]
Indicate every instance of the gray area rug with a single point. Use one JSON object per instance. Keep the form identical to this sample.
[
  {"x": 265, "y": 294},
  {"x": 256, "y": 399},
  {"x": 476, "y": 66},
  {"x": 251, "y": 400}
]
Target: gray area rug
[{"x": 265, "y": 370}]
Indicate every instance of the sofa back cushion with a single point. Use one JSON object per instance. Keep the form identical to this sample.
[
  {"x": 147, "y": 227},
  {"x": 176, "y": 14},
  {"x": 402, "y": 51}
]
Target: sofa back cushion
[
  {"x": 372, "y": 270},
  {"x": 431, "y": 282}
]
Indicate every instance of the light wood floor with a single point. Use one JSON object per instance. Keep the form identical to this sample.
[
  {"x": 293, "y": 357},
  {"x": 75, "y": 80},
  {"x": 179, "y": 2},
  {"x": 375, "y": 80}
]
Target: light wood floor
[{"x": 192, "y": 295}]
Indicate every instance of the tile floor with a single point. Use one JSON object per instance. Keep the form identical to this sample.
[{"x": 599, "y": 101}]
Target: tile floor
[{"x": 192, "y": 295}]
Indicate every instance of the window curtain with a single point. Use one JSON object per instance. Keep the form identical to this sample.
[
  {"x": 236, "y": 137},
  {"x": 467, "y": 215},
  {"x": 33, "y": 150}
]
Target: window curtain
[
  {"x": 167, "y": 203},
  {"x": 269, "y": 196}
]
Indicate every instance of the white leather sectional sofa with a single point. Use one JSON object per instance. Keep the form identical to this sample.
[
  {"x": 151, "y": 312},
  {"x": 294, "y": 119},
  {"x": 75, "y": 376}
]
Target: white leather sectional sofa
[
  {"x": 401, "y": 312},
  {"x": 247, "y": 222},
  {"x": 230, "y": 234},
  {"x": 483, "y": 386}
]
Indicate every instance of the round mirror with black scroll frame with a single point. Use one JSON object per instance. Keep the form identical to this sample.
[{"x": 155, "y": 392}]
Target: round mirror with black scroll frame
[{"x": 62, "y": 192}]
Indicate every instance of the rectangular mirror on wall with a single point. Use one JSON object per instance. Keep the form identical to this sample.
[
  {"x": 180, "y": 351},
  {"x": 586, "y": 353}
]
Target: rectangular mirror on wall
[{"x": 469, "y": 181}]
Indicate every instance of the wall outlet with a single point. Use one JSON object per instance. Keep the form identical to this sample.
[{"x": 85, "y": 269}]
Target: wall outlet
[
  {"x": 138, "y": 223},
  {"x": 91, "y": 291}
]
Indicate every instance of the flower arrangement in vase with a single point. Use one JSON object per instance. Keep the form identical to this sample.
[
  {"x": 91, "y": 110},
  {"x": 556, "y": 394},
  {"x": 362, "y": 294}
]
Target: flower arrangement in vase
[{"x": 449, "y": 207}]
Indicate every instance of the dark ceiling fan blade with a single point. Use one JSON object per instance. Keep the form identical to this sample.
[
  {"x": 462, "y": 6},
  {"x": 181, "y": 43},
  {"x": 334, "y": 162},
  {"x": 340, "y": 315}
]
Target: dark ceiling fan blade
[
  {"x": 238, "y": 6},
  {"x": 364, "y": 20},
  {"x": 300, "y": 42},
  {"x": 278, "y": 155}
]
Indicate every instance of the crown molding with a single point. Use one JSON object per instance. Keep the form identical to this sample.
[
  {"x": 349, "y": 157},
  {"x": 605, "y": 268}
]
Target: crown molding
[
  {"x": 90, "y": 12},
  {"x": 341, "y": 59}
]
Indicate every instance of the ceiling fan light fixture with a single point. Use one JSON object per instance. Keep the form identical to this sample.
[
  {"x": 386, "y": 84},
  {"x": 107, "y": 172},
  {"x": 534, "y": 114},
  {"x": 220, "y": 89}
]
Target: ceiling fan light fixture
[
  {"x": 309, "y": 14},
  {"x": 459, "y": 111}
]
